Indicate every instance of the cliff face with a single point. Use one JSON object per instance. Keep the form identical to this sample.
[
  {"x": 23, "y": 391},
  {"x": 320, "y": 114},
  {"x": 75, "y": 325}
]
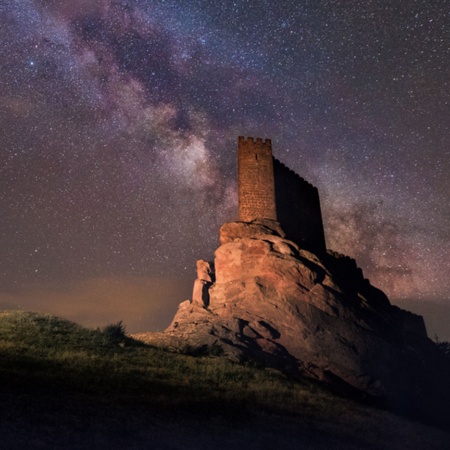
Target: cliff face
[{"x": 268, "y": 301}]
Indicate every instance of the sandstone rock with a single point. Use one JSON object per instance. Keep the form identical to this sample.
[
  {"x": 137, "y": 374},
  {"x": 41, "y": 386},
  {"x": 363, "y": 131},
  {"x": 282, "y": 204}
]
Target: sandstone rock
[
  {"x": 205, "y": 278},
  {"x": 269, "y": 301},
  {"x": 255, "y": 229}
]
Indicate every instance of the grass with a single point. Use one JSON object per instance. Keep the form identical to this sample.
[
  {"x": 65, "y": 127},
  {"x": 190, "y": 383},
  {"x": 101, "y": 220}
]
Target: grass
[{"x": 65, "y": 386}]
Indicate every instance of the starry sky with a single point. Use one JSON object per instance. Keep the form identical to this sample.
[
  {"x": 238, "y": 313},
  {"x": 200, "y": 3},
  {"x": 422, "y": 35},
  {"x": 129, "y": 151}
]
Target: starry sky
[{"x": 118, "y": 132}]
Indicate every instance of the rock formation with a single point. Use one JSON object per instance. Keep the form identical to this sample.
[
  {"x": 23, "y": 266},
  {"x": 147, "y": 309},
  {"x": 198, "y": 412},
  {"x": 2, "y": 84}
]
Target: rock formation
[
  {"x": 300, "y": 309},
  {"x": 266, "y": 300}
]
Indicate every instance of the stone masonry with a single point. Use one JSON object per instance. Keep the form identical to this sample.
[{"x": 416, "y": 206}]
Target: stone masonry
[{"x": 256, "y": 180}]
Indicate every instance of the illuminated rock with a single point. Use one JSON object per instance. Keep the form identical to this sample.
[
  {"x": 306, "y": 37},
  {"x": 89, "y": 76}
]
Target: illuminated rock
[{"x": 284, "y": 307}]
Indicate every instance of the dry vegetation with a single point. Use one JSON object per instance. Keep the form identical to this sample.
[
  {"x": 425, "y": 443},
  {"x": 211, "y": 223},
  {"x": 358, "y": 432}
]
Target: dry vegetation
[{"x": 64, "y": 386}]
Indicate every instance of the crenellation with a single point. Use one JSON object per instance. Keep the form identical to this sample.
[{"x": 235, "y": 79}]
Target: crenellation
[{"x": 297, "y": 176}]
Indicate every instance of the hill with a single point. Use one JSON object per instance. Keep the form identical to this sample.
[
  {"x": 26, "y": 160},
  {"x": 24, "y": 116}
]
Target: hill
[{"x": 65, "y": 386}]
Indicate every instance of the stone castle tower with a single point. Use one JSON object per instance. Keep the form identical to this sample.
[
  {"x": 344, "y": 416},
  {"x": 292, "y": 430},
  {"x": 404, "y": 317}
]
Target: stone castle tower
[
  {"x": 267, "y": 189},
  {"x": 256, "y": 180}
]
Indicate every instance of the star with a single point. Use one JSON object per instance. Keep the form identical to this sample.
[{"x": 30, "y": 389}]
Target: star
[{"x": 119, "y": 127}]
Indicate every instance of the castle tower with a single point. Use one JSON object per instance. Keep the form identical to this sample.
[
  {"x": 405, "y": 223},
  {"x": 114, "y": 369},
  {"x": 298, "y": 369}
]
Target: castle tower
[
  {"x": 269, "y": 190},
  {"x": 256, "y": 185}
]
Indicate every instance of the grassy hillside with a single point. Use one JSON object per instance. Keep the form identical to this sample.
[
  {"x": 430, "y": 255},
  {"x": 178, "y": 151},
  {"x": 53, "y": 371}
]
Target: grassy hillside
[{"x": 64, "y": 386}]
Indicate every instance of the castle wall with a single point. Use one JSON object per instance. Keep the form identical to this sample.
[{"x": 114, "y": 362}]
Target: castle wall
[
  {"x": 255, "y": 180},
  {"x": 410, "y": 323},
  {"x": 298, "y": 209}
]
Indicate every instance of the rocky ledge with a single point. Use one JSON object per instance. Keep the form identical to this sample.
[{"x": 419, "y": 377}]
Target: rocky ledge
[{"x": 266, "y": 300}]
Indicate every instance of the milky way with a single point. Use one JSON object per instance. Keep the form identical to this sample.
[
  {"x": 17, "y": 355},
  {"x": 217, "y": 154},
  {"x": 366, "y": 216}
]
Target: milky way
[{"x": 118, "y": 130}]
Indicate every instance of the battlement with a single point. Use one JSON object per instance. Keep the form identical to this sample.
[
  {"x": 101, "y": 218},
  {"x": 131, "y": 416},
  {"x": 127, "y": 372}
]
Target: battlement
[
  {"x": 292, "y": 174},
  {"x": 258, "y": 146}
]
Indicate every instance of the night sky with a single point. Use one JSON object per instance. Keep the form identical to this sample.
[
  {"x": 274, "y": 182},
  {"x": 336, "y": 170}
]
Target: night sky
[{"x": 118, "y": 132}]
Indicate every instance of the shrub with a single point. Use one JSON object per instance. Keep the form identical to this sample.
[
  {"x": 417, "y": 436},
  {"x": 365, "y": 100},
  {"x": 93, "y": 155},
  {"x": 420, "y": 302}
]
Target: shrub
[
  {"x": 204, "y": 350},
  {"x": 115, "y": 333}
]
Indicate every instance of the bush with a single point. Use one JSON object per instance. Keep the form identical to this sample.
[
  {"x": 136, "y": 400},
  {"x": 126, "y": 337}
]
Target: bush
[
  {"x": 115, "y": 333},
  {"x": 204, "y": 350}
]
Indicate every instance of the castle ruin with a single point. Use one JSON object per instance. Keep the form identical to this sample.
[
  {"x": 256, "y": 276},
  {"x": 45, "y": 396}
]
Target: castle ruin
[
  {"x": 268, "y": 189},
  {"x": 263, "y": 299}
]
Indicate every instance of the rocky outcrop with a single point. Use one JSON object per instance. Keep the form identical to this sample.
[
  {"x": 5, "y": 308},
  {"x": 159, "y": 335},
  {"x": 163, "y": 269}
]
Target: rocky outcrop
[{"x": 266, "y": 300}]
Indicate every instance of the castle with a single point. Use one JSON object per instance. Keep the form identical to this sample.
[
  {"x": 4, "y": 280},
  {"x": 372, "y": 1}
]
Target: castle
[
  {"x": 268, "y": 189},
  {"x": 265, "y": 299}
]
